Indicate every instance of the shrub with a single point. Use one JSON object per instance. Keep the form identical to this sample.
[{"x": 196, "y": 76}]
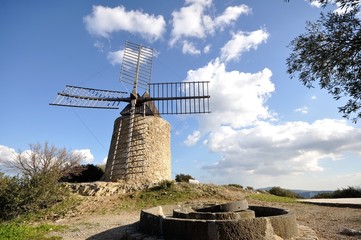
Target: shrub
[
  {"x": 183, "y": 178},
  {"x": 324, "y": 195},
  {"x": 84, "y": 173},
  {"x": 350, "y": 192},
  {"x": 235, "y": 185},
  {"x": 164, "y": 184},
  {"x": 283, "y": 192},
  {"x": 20, "y": 195}
]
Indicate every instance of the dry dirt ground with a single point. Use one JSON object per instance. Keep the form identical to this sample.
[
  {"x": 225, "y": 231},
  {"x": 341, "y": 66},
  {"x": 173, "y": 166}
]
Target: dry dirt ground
[{"x": 90, "y": 223}]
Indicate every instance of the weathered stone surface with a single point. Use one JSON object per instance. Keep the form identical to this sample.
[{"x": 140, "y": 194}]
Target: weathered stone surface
[
  {"x": 271, "y": 224},
  {"x": 150, "y": 159},
  {"x": 107, "y": 188}
]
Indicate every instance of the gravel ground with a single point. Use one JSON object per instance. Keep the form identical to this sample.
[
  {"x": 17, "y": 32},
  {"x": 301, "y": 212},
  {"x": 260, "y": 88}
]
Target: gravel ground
[{"x": 327, "y": 221}]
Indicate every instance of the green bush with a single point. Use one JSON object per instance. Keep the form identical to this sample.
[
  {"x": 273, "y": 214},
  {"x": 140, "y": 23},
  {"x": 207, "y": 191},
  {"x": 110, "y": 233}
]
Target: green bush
[
  {"x": 163, "y": 185},
  {"x": 324, "y": 195},
  {"x": 83, "y": 173},
  {"x": 283, "y": 192},
  {"x": 20, "y": 195},
  {"x": 350, "y": 192},
  {"x": 235, "y": 185},
  {"x": 183, "y": 178}
]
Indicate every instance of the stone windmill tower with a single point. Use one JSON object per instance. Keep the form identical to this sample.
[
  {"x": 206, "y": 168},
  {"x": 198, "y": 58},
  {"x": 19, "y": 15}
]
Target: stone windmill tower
[{"x": 140, "y": 144}]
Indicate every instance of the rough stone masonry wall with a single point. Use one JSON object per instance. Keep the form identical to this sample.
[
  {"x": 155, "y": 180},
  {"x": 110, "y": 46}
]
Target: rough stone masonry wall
[
  {"x": 157, "y": 149},
  {"x": 148, "y": 166}
]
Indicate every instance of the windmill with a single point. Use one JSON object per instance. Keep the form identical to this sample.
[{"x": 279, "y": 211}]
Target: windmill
[{"x": 140, "y": 145}]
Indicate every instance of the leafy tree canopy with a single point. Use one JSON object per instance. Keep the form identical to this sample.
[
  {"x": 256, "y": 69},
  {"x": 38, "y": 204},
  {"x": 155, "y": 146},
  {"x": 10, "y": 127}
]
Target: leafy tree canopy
[{"x": 329, "y": 53}]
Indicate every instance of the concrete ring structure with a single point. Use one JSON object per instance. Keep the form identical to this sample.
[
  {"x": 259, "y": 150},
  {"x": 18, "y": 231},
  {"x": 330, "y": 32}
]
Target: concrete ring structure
[{"x": 267, "y": 223}]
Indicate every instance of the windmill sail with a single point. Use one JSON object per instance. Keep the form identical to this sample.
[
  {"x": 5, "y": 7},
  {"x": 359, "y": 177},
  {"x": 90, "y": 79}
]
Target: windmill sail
[
  {"x": 73, "y": 96},
  {"x": 141, "y": 138},
  {"x": 136, "y": 65},
  {"x": 180, "y": 97}
]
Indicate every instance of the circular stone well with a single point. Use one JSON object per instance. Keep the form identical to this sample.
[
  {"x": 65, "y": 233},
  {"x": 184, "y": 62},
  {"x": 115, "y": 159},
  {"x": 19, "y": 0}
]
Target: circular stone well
[{"x": 218, "y": 222}]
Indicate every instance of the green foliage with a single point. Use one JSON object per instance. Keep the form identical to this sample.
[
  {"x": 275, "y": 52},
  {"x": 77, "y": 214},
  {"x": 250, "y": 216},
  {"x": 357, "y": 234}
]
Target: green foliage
[
  {"x": 343, "y": 4},
  {"x": 329, "y": 53},
  {"x": 83, "y": 173},
  {"x": 183, "y": 177},
  {"x": 164, "y": 185},
  {"x": 349, "y": 192},
  {"x": 249, "y": 188},
  {"x": 10, "y": 231},
  {"x": 278, "y": 191},
  {"x": 235, "y": 185},
  {"x": 324, "y": 195},
  {"x": 29, "y": 195}
]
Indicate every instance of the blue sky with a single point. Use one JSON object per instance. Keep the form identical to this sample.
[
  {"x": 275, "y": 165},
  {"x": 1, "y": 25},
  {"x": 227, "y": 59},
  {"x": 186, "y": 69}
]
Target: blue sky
[{"x": 264, "y": 130}]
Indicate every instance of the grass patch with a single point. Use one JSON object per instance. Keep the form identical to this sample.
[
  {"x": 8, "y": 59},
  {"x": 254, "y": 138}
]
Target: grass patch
[
  {"x": 10, "y": 231},
  {"x": 156, "y": 196},
  {"x": 271, "y": 198}
]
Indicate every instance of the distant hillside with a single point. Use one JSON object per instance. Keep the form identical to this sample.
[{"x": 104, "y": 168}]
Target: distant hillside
[{"x": 302, "y": 193}]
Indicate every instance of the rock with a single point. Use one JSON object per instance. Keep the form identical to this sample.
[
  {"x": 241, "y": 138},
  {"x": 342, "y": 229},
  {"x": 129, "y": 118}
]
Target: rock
[{"x": 350, "y": 232}]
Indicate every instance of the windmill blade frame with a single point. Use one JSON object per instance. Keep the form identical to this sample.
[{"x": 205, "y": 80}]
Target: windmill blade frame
[{"x": 74, "y": 96}]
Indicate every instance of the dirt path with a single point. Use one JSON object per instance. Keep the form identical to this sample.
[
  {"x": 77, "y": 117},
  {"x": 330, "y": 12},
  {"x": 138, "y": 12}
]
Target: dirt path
[
  {"x": 328, "y": 222},
  {"x": 97, "y": 227}
]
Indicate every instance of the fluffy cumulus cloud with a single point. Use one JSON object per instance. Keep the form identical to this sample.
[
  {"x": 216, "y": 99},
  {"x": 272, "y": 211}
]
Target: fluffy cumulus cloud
[
  {"x": 192, "y": 139},
  {"x": 285, "y": 149},
  {"x": 88, "y": 157},
  {"x": 189, "y": 48},
  {"x": 116, "y": 57},
  {"x": 6, "y": 154},
  {"x": 242, "y": 42},
  {"x": 238, "y": 99},
  {"x": 194, "y": 20},
  {"x": 250, "y": 139},
  {"x": 103, "y": 21}
]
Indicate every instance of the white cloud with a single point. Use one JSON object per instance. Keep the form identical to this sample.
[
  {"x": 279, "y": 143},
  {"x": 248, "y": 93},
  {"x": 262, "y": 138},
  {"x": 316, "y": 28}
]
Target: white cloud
[
  {"x": 287, "y": 149},
  {"x": 207, "y": 48},
  {"x": 6, "y": 154},
  {"x": 88, "y": 157},
  {"x": 242, "y": 42},
  {"x": 192, "y": 139},
  {"x": 194, "y": 21},
  {"x": 189, "y": 48},
  {"x": 231, "y": 14},
  {"x": 248, "y": 138},
  {"x": 103, "y": 21},
  {"x": 315, "y": 3},
  {"x": 237, "y": 98},
  {"x": 313, "y": 98},
  {"x": 303, "y": 110},
  {"x": 116, "y": 57}
]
